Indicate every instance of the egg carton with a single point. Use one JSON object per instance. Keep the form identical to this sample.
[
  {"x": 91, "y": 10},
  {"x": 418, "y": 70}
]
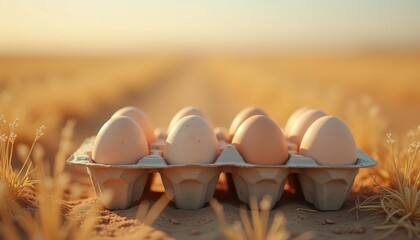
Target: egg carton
[{"x": 191, "y": 186}]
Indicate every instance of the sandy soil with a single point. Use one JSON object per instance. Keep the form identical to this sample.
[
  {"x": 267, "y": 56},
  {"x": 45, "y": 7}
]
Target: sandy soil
[
  {"x": 203, "y": 223},
  {"x": 193, "y": 88}
]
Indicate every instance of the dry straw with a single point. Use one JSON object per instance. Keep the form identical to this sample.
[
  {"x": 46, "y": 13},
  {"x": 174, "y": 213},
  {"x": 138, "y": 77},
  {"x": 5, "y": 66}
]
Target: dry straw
[
  {"x": 147, "y": 216},
  {"x": 367, "y": 123},
  {"x": 257, "y": 226},
  {"x": 18, "y": 183},
  {"x": 47, "y": 220},
  {"x": 400, "y": 202}
]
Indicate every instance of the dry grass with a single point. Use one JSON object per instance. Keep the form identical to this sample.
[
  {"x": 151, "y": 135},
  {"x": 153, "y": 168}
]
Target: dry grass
[
  {"x": 46, "y": 220},
  {"x": 278, "y": 95},
  {"x": 147, "y": 214},
  {"x": 335, "y": 83},
  {"x": 400, "y": 201},
  {"x": 48, "y": 91},
  {"x": 367, "y": 123},
  {"x": 256, "y": 228},
  {"x": 386, "y": 171},
  {"x": 17, "y": 182}
]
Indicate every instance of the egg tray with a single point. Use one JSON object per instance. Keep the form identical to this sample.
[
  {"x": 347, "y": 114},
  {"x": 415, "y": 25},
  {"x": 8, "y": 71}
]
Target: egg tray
[{"x": 191, "y": 186}]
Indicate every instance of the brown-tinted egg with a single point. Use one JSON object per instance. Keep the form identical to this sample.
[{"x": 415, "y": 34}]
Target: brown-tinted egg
[
  {"x": 243, "y": 115},
  {"x": 260, "y": 141},
  {"x": 329, "y": 141},
  {"x": 119, "y": 141},
  {"x": 302, "y": 123},
  {"x": 141, "y": 119},
  {"x": 187, "y": 111},
  {"x": 292, "y": 119},
  {"x": 191, "y": 140}
]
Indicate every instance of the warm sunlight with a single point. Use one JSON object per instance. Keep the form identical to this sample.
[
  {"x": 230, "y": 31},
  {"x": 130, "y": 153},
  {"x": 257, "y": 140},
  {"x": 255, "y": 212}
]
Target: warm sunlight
[{"x": 99, "y": 26}]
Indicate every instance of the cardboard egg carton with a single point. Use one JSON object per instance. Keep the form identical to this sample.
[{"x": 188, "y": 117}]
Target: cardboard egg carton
[{"x": 191, "y": 186}]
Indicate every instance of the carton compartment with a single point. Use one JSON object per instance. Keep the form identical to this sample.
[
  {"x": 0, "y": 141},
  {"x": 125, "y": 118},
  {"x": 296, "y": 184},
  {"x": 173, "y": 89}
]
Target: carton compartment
[
  {"x": 327, "y": 189},
  {"x": 125, "y": 185},
  {"x": 259, "y": 182},
  {"x": 190, "y": 188}
]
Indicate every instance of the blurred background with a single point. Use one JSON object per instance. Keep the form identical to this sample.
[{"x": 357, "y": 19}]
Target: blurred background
[{"x": 359, "y": 60}]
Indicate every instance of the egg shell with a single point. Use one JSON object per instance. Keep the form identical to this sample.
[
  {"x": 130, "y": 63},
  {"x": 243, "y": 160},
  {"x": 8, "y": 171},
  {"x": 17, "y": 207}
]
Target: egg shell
[
  {"x": 187, "y": 111},
  {"x": 191, "y": 140},
  {"x": 302, "y": 123},
  {"x": 119, "y": 141},
  {"x": 292, "y": 119},
  {"x": 329, "y": 141},
  {"x": 243, "y": 115},
  {"x": 260, "y": 141},
  {"x": 141, "y": 119}
]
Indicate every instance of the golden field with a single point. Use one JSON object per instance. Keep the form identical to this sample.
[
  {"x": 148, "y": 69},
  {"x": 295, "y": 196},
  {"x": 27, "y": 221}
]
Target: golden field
[
  {"x": 49, "y": 90},
  {"x": 374, "y": 93}
]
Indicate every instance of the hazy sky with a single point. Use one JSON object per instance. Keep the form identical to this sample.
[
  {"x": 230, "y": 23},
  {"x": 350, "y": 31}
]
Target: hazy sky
[{"x": 72, "y": 26}]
